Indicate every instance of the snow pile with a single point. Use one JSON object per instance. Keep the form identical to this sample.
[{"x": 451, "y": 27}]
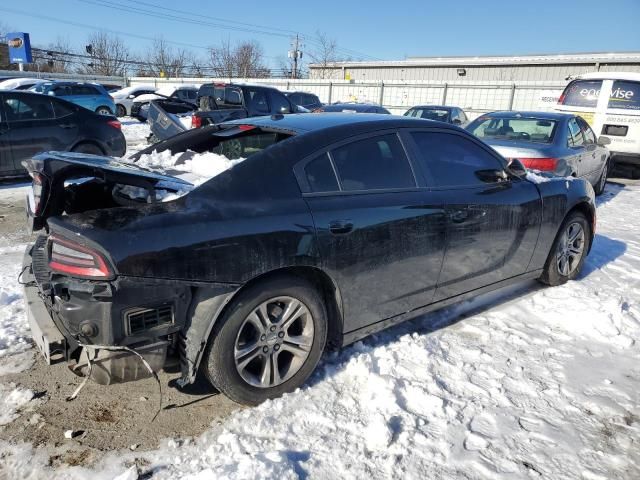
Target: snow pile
[
  {"x": 12, "y": 399},
  {"x": 136, "y": 134},
  {"x": 15, "y": 337}
]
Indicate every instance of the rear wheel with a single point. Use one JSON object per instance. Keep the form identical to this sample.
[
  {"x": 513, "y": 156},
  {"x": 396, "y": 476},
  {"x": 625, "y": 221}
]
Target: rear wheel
[
  {"x": 89, "y": 148},
  {"x": 121, "y": 111},
  {"x": 269, "y": 341},
  {"x": 602, "y": 181},
  {"x": 569, "y": 250},
  {"x": 104, "y": 111}
]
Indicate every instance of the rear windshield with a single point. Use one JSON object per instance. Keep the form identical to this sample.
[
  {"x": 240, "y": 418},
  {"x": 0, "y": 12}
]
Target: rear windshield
[
  {"x": 581, "y": 93},
  {"x": 224, "y": 96},
  {"x": 438, "y": 114},
  {"x": 514, "y": 129}
]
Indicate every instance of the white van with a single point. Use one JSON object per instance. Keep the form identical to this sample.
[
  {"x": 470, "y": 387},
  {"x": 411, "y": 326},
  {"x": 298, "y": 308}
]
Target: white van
[{"x": 610, "y": 103}]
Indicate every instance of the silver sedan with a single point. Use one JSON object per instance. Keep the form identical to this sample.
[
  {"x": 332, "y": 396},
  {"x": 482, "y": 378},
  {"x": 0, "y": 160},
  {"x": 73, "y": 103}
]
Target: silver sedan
[{"x": 559, "y": 143}]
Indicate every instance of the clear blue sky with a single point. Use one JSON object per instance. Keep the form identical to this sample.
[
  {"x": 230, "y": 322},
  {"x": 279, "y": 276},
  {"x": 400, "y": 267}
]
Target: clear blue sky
[{"x": 385, "y": 30}]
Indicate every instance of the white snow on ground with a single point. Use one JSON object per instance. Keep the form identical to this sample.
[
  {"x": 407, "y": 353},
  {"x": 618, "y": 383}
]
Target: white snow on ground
[
  {"x": 136, "y": 134},
  {"x": 529, "y": 382}
]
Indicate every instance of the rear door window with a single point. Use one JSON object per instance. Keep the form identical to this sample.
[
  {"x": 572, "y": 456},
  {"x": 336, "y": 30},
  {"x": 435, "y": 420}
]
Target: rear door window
[
  {"x": 625, "y": 95},
  {"x": 83, "y": 90},
  {"x": 453, "y": 160},
  {"x": 61, "y": 109},
  {"x": 372, "y": 164},
  {"x": 320, "y": 175},
  {"x": 575, "y": 134},
  {"x": 582, "y": 93}
]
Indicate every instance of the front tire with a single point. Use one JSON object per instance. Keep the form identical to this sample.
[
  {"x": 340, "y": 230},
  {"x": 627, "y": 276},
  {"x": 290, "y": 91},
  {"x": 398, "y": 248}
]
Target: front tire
[
  {"x": 569, "y": 250},
  {"x": 602, "y": 181},
  {"x": 121, "y": 111},
  {"x": 268, "y": 342}
]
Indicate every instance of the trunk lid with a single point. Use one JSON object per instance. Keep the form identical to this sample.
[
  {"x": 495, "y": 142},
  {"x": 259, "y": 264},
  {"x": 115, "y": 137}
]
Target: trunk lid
[{"x": 65, "y": 182}]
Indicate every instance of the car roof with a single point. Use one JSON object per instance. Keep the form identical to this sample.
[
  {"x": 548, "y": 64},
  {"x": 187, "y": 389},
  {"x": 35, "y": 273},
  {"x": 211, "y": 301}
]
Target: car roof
[
  {"x": 634, "y": 76},
  {"x": 440, "y": 107},
  {"x": 306, "y": 122},
  {"x": 528, "y": 114}
]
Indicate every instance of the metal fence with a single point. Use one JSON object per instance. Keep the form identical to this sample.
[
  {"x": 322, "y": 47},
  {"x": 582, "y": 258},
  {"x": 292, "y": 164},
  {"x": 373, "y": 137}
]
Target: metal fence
[
  {"x": 474, "y": 98},
  {"x": 74, "y": 77}
]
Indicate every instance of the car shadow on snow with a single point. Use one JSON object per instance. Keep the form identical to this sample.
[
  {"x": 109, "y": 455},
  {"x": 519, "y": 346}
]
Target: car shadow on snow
[
  {"x": 604, "y": 251},
  {"x": 610, "y": 192}
]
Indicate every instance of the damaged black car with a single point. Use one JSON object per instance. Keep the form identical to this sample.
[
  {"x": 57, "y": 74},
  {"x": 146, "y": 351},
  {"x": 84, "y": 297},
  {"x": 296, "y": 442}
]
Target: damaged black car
[{"x": 333, "y": 227}]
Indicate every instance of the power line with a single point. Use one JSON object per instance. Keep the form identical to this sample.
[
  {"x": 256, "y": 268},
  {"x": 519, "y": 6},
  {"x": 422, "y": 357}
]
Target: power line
[{"x": 264, "y": 30}]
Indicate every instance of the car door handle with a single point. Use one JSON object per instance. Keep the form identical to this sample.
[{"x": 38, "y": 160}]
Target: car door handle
[
  {"x": 340, "y": 227},
  {"x": 67, "y": 125}
]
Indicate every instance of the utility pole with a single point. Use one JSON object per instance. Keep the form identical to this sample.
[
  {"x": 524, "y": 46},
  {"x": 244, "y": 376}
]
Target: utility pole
[{"x": 296, "y": 54}]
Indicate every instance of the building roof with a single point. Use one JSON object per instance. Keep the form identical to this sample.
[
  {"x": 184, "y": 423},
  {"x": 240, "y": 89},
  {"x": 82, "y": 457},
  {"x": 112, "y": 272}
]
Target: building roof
[{"x": 563, "y": 58}]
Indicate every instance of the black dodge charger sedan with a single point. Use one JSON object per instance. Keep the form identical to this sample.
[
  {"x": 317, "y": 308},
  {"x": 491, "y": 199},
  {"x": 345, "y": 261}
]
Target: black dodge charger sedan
[{"x": 334, "y": 227}]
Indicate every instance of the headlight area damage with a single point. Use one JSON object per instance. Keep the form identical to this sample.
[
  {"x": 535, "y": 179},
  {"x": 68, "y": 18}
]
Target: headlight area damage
[{"x": 114, "y": 326}]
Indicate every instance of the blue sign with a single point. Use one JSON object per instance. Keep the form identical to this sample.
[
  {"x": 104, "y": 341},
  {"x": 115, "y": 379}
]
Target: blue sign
[{"x": 19, "y": 47}]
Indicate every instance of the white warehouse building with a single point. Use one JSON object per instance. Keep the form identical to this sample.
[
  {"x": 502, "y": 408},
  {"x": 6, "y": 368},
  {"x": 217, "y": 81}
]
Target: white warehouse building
[{"x": 540, "y": 68}]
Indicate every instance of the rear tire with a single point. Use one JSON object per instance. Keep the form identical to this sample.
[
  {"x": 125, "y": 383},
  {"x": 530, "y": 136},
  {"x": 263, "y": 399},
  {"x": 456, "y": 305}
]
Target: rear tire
[
  {"x": 602, "y": 181},
  {"x": 246, "y": 349},
  {"x": 569, "y": 250},
  {"x": 121, "y": 111},
  {"x": 104, "y": 111},
  {"x": 89, "y": 148}
]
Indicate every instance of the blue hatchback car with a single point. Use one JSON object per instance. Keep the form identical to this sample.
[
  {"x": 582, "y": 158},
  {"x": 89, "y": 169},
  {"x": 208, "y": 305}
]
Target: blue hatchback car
[{"x": 88, "y": 95}]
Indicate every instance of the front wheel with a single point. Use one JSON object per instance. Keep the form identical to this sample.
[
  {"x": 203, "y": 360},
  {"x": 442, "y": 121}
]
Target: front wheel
[
  {"x": 121, "y": 111},
  {"x": 268, "y": 342},
  {"x": 569, "y": 250}
]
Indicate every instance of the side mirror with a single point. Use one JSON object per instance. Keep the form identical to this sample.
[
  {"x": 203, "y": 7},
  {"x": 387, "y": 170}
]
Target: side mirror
[
  {"x": 516, "y": 168},
  {"x": 456, "y": 121},
  {"x": 131, "y": 96},
  {"x": 603, "y": 141},
  {"x": 51, "y": 93},
  {"x": 285, "y": 110}
]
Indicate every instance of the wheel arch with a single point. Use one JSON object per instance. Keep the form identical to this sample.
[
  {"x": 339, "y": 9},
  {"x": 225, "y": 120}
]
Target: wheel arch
[
  {"x": 88, "y": 142},
  {"x": 207, "y": 309},
  {"x": 589, "y": 211}
]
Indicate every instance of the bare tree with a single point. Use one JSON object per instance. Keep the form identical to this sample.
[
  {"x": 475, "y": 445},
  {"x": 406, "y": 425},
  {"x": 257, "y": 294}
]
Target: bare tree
[
  {"x": 325, "y": 55},
  {"x": 164, "y": 60},
  {"x": 244, "y": 60},
  {"x": 108, "y": 55},
  {"x": 58, "y": 57},
  {"x": 221, "y": 60},
  {"x": 4, "y": 49}
]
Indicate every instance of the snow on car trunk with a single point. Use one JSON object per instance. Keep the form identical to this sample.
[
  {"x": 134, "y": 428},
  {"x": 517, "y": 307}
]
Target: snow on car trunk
[{"x": 525, "y": 382}]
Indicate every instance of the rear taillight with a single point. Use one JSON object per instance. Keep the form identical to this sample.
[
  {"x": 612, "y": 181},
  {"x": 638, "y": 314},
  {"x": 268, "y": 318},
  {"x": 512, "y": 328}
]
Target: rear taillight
[
  {"x": 115, "y": 124},
  {"x": 196, "y": 121},
  {"x": 76, "y": 260},
  {"x": 561, "y": 99},
  {"x": 543, "y": 164},
  {"x": 38, "y": 186}
]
